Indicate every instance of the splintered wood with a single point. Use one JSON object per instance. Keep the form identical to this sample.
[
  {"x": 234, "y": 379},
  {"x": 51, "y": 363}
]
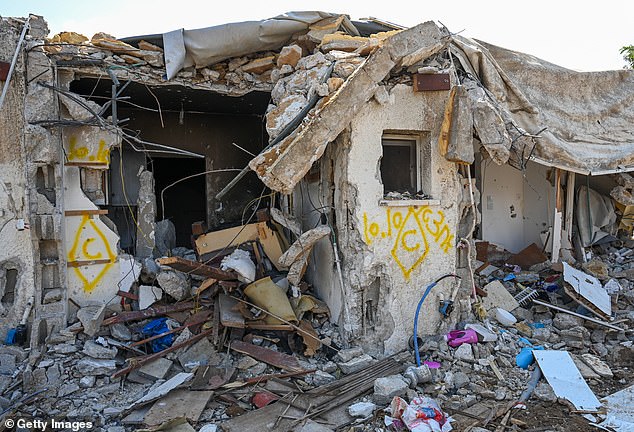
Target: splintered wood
[
  {"x": 274, "y": 358},
  {"x": 196, "y": 268},
  {"x": 328, "y": 402}
]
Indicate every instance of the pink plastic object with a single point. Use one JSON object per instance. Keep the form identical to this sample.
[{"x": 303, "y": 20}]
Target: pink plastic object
[
  {"x": 456, "y": 338},
  {"x": 432, "y": 364}
]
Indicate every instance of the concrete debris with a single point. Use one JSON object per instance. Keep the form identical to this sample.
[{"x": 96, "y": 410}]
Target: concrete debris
[
  {"x": 98, "y": 351},
  {"x": 175, "y": 324},
  {"x": 289, "y": 55},
  {"x": 148, "y": 295},
  {"x": 90, "y": 366},
  {"x": 385, "y": 389},
  {"x": 91, "y": 318},
  {"x": 120, "y": 331},
  {"x": 362, "y": 409},
  {"x": 356, "y": 364},
  {"x": 175, "y": 284}
]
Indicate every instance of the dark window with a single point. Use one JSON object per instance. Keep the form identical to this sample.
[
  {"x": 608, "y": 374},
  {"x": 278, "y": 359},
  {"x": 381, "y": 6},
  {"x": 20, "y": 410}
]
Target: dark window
[{"x": 399, "y": 165}]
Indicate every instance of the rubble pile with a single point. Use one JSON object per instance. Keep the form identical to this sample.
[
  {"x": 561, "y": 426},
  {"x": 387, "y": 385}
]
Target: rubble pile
[
  {"x": 229, "y": 335},
  {"x": 251, "y": 344}
]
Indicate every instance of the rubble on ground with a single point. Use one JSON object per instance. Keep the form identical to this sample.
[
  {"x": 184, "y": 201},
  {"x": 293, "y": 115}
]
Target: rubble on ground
[{"x": 237, "y": 361}]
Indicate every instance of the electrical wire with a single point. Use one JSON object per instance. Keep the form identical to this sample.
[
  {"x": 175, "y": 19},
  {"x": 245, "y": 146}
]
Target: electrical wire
[{"x": 187, "y": 178}]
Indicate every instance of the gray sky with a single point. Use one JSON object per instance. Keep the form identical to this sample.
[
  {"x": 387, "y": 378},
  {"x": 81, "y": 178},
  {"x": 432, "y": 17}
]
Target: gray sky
[{"x": 579, "y": 35}]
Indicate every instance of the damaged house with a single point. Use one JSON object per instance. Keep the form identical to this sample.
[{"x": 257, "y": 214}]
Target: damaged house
[{"x": 305, "y": 174}]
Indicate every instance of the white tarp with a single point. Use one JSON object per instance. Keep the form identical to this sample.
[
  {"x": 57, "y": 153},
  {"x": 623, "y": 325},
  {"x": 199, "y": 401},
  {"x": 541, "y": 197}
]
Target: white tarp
[
  {"x": 206, "y": 46},
  {"x": 589, "y": 115}
]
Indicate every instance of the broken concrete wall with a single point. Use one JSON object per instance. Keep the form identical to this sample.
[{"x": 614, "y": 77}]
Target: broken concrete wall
[
  {"x": 391, "y": 253},
  {"x": 212, "y": 136},
  {"x": 30, "y": 197},
  {"x": 314, "y": 200},
  {"x": 91, "y": 247}
]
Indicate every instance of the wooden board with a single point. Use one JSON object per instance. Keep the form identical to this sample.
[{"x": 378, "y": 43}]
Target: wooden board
[
  {"x": 529, "y": 256},
  {"x": 229, "y": 313},
  {"x": 179, "y": 403},
  {"x": 232, "y": 237},
  {"x": 266, "y": 355}
]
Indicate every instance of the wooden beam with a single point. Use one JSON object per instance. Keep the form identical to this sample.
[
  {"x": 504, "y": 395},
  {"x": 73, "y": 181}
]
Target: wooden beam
[
  {"x": 137, "y": 362},
  {"x": 557, "y": 218},
  {"x": 85, "y": 212},
  {"x": 87, "y": 164},
  {"x": 148, "y": 313},
  {"x": 88, "y": 262},
  {"x": 196, "y": 268}
]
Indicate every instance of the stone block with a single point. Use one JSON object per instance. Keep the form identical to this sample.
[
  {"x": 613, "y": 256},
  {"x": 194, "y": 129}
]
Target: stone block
[
  {"x": 98, "y": 351},
  {"x": 356, "y": 364},
  {"x": 90, "y": 366},
  {"x": 289, "y": 55},
  {"x": 387, "y": 387}
]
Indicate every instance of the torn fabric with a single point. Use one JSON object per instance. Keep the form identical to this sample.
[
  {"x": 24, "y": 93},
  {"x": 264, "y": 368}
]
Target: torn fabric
[{"x": 588, "y": 115}]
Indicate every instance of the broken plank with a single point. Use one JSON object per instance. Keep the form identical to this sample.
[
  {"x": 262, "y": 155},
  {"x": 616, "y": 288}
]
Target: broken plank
[
  {"x": 232, "y": 237},
  {"x": 331, "y": 396},
  {"x": 169, "y": 385},
  {"x": 203, "y": 286},
  {"x": 178, "y": 404},
  {"x": 230, "y": 315},
  {"x": 586, "y": 290},
  {"x": 274, "y": 358},
  {"x": 196, "y": 268}
]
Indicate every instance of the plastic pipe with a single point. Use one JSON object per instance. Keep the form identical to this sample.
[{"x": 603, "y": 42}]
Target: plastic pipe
[{"x": 420, "y": 304}]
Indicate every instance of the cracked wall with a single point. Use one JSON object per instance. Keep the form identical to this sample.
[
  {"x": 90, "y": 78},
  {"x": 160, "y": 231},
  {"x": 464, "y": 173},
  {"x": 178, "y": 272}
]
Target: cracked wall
[
  {"x": 30, "y": 182},
  {"x": 391, "y": 253}
]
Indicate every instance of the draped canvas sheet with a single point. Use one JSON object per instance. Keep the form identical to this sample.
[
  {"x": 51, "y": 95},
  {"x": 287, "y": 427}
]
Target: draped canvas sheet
[
  {"x": 589, "y": 115},
  {"x": 206, "y": 46}
]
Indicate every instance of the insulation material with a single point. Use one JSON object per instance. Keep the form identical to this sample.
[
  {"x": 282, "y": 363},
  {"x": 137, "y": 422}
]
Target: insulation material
[
  {"x": 595, "y": 216},
  {"x": 588, "y": 114},
  {"x": 240, "y": 261},
  {"x": 206, "y": 46}
]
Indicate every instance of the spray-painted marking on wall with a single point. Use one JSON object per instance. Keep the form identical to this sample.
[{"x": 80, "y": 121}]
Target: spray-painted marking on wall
[
  {"x": 409, "y": 229},
  {"x": 89, "y": 237},
  {"x": 84, "y": 154}
]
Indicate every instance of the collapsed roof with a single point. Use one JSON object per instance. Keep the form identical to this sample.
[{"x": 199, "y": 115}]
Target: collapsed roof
[
  {"x": 583, "y": 118},
  {"x": 523, "y": 107}
]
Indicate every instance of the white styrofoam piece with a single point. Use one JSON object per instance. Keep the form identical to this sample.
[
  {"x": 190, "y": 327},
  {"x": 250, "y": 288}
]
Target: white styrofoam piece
[
  {"x": 588, "y": 287},
  {"x": 566, "y": 380}
]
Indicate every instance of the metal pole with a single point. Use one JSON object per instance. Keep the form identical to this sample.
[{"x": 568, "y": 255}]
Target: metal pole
[{"x": 5, "y": 89}]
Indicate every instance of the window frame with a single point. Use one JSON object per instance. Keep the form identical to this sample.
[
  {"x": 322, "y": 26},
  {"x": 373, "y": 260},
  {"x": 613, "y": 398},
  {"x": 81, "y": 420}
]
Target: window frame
[{"x": 416, "y": 138}]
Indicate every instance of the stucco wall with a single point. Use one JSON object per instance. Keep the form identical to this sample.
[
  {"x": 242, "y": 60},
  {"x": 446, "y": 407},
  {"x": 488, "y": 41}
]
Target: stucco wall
[
  {"x": 391, "y": 254},
  {"x": 515, "y": 209}
]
